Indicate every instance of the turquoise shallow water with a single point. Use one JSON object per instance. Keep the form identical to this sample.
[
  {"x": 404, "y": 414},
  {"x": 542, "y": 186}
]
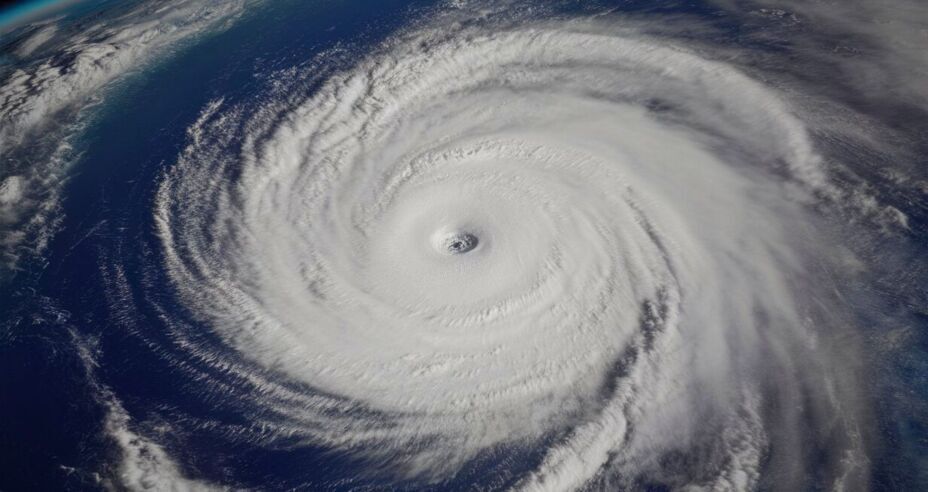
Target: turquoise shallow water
[{"x": 18, "y": 13}]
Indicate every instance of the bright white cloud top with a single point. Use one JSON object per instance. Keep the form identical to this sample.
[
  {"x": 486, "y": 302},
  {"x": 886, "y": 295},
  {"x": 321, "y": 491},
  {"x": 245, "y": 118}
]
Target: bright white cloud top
[
  {"x": 495, "y": 245},
  {"x": 544, "y": 234}
]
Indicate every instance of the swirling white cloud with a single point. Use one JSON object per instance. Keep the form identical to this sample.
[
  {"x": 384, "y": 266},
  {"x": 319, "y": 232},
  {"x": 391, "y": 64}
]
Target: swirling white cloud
[{"x": 630, "y": 290}]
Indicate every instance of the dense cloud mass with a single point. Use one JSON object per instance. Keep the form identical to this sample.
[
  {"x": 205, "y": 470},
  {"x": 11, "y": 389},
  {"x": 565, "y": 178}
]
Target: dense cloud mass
[{"x": 516, "y": 246}]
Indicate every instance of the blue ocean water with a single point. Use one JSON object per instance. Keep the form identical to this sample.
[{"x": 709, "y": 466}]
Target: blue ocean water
[
  {"x": 64, "y": 303},
  {"x": 54, "y": 433}
]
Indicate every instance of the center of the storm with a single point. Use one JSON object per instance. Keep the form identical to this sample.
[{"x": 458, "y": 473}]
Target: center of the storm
[{"x": 460, "y": 243}]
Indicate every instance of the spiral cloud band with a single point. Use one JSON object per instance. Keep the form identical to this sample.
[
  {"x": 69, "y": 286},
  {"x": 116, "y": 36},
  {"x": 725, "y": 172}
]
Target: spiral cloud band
[{"x": 483, "y": 241}]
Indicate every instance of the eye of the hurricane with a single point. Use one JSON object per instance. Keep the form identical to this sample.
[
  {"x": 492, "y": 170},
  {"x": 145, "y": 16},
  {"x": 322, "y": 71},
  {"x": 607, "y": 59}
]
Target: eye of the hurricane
[{"x": 460, "y": 243}]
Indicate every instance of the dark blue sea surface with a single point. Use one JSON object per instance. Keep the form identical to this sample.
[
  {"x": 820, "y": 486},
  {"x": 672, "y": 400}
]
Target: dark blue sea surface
[
  {"x": 53, "y": 436},
  {"x": 86, "y": 319}
]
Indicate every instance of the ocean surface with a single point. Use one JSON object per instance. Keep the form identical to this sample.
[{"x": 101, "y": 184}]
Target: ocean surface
[{"x": 700, "y": 238}]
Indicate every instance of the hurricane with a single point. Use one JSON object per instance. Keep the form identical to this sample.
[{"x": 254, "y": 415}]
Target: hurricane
[{"x": 472, "y": 246}]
